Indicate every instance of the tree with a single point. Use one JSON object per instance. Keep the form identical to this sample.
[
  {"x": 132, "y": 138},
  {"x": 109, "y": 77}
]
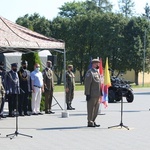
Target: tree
[
  {"x": 59, "y": 28},
  {"x": 35, "y": 23},
  {"x": 104, "y": 5},
  {"x": 72, "y": 9},
  {"x": 147, "y": 11},
  {"x": 126, "y": 7},
  {"x": 31, "y": 58},
  {"x": 134, "y": 33}
]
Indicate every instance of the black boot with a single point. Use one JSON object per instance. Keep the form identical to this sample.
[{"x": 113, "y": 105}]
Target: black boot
[
  {"x": 69, "y": 107},
  {"x": 72, "y": 108}
]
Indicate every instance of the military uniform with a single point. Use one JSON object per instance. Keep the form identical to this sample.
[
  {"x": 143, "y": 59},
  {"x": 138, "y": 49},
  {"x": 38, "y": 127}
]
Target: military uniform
[
  {"x": 48, "y": 88},
  {"x": 93, "y": 93},
  {"x": 2, "y": 91},
  {"x": 3, "y": 81},
  {"x": 25, "y": 91},
  {"x": 70, "y": 84},
  {"x": 12, "y": 89}
]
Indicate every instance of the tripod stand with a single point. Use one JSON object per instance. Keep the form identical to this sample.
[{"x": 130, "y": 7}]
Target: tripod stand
[
  {"x": 16, "y": 133},
  {"x": 56, "y": 103},
  {"x": 121, "y": 122}
]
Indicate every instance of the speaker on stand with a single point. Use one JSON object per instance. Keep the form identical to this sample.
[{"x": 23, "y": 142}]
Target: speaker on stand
[{"x": 53, "y": 59}]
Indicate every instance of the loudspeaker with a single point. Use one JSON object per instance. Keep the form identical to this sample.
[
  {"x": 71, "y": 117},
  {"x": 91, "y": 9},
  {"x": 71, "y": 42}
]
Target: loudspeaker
[{"x": 53, "y": 59}]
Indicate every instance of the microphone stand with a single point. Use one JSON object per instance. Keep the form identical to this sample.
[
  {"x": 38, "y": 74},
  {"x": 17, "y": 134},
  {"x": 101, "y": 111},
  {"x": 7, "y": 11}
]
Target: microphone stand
[
  {"x": 121, "y": 122},
  {"x": 16, "y": 133}
]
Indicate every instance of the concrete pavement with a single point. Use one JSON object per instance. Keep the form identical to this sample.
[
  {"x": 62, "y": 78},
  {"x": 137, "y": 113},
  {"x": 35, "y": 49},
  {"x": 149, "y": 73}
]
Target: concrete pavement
[{"x": 52, "y": 132}]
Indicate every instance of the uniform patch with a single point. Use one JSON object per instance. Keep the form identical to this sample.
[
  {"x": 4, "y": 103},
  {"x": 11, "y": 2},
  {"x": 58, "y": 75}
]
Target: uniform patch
[{"x": 88, "y": 74}]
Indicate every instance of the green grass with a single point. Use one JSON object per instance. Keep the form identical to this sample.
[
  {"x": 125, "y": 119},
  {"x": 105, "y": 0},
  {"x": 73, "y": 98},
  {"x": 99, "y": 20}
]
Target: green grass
[
  {"x": 140, "y": 86},
  {"x": 79, "y": 87},
  {"x": 60, "y": 88}
]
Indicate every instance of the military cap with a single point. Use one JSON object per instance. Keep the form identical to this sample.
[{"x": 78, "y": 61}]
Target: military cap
[
  {"x": 24, "y": 62},
  {"x": 70, "y": 66},
  {"x": 49, "y": 61},
  {"x": 14, "y": 65},
  {"x": 95, "y": 61}
]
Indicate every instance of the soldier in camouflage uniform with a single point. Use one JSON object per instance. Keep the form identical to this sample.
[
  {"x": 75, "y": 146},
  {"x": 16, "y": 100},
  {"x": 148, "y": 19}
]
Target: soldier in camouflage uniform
[
  {"x": 48, "y": 87},
  {"x": 2, "y": 92},
  {"x": 92, "y": 92},
  {"x": 70, "y": 84},
  {"x": 3, "y": 80}
]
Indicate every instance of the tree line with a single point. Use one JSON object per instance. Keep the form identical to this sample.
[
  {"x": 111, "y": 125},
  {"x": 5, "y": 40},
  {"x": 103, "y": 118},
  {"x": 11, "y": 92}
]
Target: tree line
[{"x": 92, "y": 29}]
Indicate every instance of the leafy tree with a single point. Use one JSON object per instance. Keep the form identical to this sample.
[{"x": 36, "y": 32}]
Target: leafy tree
[
  {"x": 31, "y": 58},
  {"x": 134, "y": 33},
  {"x": 104, "y": 5},
  {"x": 60, "y": 27},
  {"x": 126, "y": 7},
  {"x": 36, "y": 23},
  {"x": 72, "y": 9},
  {"x": 147, "y": 11}
]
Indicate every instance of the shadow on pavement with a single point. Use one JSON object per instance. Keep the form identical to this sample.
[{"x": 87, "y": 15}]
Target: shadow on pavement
[
  {"x": 63, "y": 128},
  {"x": 70, "y": 128}
]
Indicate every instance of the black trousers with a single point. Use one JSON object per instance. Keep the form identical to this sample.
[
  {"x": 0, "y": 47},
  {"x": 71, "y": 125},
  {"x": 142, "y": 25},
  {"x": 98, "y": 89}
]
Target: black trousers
[
  {"x": 23, "y": 103},
  {"x": 12, "y": 99}
]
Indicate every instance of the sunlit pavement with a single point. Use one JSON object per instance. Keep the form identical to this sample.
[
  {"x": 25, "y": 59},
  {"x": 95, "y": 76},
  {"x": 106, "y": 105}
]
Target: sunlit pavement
[{"x": 52, "y": 132}]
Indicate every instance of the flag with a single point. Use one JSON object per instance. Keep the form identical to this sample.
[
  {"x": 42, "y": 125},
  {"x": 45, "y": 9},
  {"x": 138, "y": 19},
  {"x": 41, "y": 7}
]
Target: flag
[
  {"x": 107, "y": 84},
  {"x": 90, "y": 65},
  {"x": 102, "y": 83}
]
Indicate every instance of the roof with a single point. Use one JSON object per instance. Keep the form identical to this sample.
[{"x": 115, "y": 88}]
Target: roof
[{"x": 14, "y": 37}]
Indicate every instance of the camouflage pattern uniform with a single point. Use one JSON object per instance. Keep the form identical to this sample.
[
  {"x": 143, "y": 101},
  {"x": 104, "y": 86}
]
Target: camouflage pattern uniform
[
  {"x": 92, "y": 89},
  {"x": 48, "y": 88},
  {"x": 2, "y": 91},
  {"x": 70, "y": 84}
]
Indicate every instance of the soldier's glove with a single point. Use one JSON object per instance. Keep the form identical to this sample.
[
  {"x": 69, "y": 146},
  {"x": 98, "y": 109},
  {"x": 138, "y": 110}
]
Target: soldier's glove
[{"x": 88, "y": 97}]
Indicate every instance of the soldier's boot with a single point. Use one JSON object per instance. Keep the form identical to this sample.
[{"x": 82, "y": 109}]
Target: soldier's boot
[
  {"x": 72, "y": 108},
  {"x": 69, "y": 107}
]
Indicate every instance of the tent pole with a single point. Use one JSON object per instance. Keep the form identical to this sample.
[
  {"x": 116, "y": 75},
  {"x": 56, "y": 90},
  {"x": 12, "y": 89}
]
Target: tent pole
[{"x": 65, "y": 114}]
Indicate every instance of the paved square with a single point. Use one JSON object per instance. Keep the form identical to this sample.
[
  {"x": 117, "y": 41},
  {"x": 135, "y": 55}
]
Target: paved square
[{"x": 52, "y": 132}]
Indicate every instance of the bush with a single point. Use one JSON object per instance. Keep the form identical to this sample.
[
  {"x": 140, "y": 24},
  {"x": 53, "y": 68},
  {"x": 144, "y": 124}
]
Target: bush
[{"x": 32, "y": 58}]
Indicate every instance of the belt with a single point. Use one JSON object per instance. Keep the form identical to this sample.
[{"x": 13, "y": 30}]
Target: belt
[{"x": 37, "y": 86}]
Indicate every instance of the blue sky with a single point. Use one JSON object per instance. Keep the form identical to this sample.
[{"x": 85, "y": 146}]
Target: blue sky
[{"x": 12, "y": 9}]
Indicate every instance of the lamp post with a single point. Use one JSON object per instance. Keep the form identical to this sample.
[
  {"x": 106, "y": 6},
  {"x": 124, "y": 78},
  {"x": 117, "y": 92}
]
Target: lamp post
[{"x": 144, "y": 55}]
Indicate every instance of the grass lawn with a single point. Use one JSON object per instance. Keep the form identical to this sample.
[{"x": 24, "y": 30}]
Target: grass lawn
[
  {"x": 79, "y": 87},
  {"x": 141, "y": 86},
  {"x": 60, "y": 88}
]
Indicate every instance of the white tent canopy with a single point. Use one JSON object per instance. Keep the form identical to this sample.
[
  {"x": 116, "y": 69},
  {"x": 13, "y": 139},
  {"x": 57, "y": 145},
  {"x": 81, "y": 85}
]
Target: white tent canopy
[{"x": 15, "y": 57}]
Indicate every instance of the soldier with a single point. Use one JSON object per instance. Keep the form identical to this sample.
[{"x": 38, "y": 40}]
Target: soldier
[
  {"x": 2, "y": 92},
  {"x": 48, "y": 87},
  {"x": 70, "y": 84},
  {"x": 25, "y": 89},
  {"x": 92, "y": 92},
  {"x": 3, "y": 81},
  {"x": 12, "y": 88}
]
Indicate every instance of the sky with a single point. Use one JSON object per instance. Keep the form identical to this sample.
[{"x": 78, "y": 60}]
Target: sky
[{"x": 13, "y": 9}]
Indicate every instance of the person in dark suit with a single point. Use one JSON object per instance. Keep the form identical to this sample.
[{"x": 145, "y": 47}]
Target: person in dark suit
[
  {"x": 25, "y": 89},
  {"x": 12, "y": 88}
]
